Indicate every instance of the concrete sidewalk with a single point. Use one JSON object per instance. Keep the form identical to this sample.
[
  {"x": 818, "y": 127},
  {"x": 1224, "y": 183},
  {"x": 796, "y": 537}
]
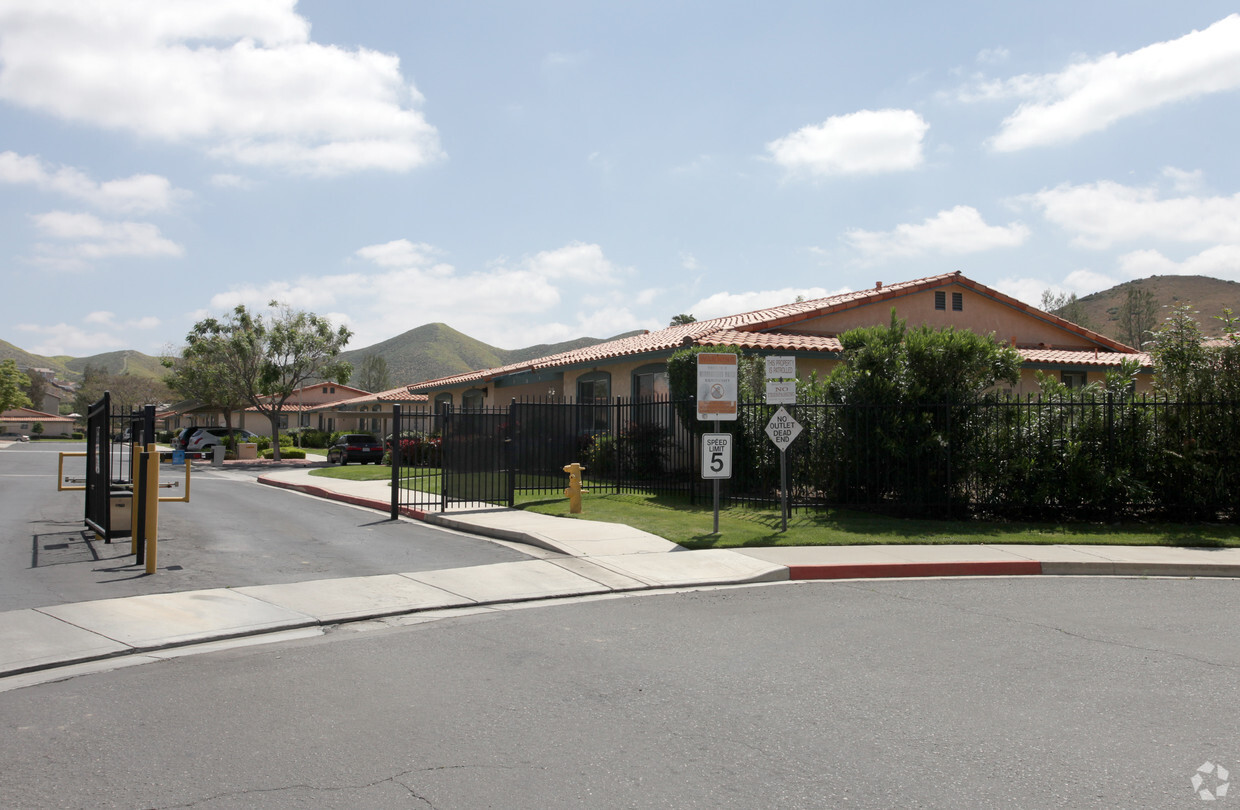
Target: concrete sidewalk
[{"x": 584, "y": 558}]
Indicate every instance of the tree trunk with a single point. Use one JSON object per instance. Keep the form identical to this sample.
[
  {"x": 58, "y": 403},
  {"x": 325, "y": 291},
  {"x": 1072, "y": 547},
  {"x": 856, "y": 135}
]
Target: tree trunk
[{"x": 274, "y": 416}]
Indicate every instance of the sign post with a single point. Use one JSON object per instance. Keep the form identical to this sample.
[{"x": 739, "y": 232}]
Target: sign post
[
  {"x": 782, "y": 430},
  {"x": 716, "y": 401}
]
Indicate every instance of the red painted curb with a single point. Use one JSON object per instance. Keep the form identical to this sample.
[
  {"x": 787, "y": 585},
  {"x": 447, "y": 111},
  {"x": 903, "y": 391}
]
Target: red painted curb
[
  {"x": 944, "y": 569},
  {"x": 382, "y": 506}
]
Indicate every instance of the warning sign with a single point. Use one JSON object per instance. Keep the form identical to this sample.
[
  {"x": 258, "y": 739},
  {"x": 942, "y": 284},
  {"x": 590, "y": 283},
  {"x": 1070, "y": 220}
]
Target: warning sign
[
  {"x": 783, "y": 429},
  {"x": 716, "y": 386}
]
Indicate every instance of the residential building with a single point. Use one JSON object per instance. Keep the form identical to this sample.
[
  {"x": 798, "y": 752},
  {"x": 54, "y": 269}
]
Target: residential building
[{"x": 636, "y": 367}]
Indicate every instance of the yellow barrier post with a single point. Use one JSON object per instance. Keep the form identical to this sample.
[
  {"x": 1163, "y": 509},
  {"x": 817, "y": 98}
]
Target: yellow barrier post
[
  {"x": 151, "y": 483},
  {"x": 574, "y": 489}
]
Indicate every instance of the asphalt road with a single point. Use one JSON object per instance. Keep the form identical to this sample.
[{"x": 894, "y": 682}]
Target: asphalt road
[
  {"x": 233, "y": 532},
  {"x": 1024, "y": 693}
]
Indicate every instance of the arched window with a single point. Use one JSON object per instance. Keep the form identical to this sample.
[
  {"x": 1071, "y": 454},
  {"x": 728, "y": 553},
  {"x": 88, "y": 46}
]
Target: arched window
[
  {"x": 473, "y": 400},
  {"x": 441, "y": 400}
]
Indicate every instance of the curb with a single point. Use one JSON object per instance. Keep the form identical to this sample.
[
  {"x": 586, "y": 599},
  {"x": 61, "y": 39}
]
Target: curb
[
  {"x": 826, "y": 571},
  {"x": 1007, "y": 568}
]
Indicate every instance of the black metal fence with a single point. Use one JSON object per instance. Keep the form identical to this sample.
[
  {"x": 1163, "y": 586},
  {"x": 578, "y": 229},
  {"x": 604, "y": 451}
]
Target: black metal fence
[{"x": 1093, "y": 458}]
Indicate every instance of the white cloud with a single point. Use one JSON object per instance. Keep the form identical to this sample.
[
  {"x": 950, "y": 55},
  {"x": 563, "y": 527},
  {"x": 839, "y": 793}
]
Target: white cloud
[
  {"x": 1221, "y": 261},
  {"x": 1081, "y": 282},
  {"x": 726, "y": 303},
  {"x": 83, "y": 238},
  {"x": 399, "y": 285},
  {"x": 240, "y": 78},
  {"x": 1104, "y": 213},
  {"x": 955, "y": 231},
  {"x": 993, "y": 56},
  {"x": 864, "y": 142},
  {"x": 1184, "y": 181},
  {"x": 1092, "y": 95},
  {"x": 231, "y": 181},
  {"x": 577, "y": 261},
  {"x": 77, "y": 340},
  {"x": 140, "y": 193}
]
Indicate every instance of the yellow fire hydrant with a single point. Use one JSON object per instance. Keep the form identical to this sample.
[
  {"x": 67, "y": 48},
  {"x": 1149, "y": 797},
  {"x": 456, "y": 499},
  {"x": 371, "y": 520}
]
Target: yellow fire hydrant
[{"x": 574, "y": 490}]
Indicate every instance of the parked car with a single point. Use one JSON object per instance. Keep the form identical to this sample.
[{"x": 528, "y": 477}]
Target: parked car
[
  {"x": 14, "y": 437},
  {"x": 181, "y": 437},
  {"x": 207, "y": 437},
  {"x": 363, "y": 448}
]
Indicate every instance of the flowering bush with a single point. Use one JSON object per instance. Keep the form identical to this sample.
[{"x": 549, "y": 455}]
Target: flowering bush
[{"x": 421, "y": 451}]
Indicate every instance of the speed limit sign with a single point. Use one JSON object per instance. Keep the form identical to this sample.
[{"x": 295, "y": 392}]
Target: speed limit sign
[{"x": 717, "y": 455}]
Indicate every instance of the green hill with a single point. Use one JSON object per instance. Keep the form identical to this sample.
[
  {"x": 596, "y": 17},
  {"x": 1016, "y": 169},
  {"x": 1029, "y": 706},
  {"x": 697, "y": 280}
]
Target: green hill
[
  {"x": 437, "y": 350},
  {"x": 1209, "y": 296}
]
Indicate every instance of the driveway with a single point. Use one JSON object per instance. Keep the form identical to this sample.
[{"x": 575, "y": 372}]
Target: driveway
[{"x": 234, "y": 532}]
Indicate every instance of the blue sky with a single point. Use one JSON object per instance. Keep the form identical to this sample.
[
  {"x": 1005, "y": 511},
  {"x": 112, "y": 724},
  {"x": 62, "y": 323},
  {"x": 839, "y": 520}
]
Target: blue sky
[{"x": 537, "y": 171}]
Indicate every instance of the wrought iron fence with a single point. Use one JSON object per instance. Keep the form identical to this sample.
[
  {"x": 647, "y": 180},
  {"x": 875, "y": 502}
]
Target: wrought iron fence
[{"x": 1089, "y": 458}]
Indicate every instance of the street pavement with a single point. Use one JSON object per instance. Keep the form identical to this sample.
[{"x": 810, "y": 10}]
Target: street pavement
[{"x": 578, "y": 558}]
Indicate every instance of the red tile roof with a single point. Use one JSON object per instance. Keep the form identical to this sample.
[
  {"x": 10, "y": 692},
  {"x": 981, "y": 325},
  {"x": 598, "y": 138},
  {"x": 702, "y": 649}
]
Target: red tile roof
[
  {"x": 1077, "y": 357},
  {"x": 401, "y": 394},
  {"x": 748, "y": 330},
  {"x": 31, "y": 415}
]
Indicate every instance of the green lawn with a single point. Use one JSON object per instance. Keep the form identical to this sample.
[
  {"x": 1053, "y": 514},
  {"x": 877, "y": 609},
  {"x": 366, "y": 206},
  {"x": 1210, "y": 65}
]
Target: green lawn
[
  {"x": 356, "y": 472},
  {"x": 691, "y": 525}
]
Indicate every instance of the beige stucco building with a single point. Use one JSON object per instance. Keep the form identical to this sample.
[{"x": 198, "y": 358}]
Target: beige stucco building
[{"x": 635, "y": 367}]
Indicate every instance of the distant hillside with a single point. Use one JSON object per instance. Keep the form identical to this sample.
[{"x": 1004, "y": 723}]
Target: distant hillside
[
  {"x": 437, "y": 350},
  {"x": 122, "y": 362},
  {"x": 429, "y": 351},
  {"x": 27, "y": 360},
  {"x": 70, "y": 369},
  {"x": 1209, "y": 296}
]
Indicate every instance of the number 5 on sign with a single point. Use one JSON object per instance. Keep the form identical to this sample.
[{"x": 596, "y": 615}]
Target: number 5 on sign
[{"x": 716, "y": 455}]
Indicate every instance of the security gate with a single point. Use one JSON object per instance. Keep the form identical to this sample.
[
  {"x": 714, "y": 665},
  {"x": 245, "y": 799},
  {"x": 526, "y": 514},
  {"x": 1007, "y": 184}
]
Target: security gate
[{"x": 109, "y": 465}]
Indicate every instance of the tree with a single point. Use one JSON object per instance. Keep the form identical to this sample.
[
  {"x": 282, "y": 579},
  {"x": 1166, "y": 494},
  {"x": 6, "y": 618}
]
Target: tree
[
  {"x": 37, "y": 390},
  {"x": 1186, "y": 368},
  {"x": 682, "y": 319},
  {"x": 201, "y": 374},
  {"x": 907, "y": 433},
  {"x": 373, "y": 375},
  {"x": 1137, "y": 316},
  {"x": 128, "y": 390},
  {"x": 1066, "y": 306},
  {"x": 267, "y": 358},
  {"x": 12, "y": 383}
]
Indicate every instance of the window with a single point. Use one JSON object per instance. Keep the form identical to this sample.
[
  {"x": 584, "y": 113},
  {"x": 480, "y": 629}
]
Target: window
[
  {"x": 1074, "y": 379},
  {"x": 473, "y": 400},
  {"x": 940, "y": 299},
  {"x": 595, "y": 389},
  {"x": 651, "y": 392},
  {"x": 442, "y": 401},
  {"x": 957, "y": 302}
]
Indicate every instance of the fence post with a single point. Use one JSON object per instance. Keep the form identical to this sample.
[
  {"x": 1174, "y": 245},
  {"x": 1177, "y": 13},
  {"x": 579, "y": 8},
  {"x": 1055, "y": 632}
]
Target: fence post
[
  {"x": 509, "y": 453},
  {"x": 394, "y": 455}
]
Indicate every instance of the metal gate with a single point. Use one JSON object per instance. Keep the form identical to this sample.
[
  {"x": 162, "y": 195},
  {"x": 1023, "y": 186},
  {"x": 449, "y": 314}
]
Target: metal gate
[
  {"x": 110, "y": 438},
  {"x": 468, "y": 463}
]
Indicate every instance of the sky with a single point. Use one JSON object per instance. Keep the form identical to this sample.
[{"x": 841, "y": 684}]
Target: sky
[{"x": 540, "y": 171}]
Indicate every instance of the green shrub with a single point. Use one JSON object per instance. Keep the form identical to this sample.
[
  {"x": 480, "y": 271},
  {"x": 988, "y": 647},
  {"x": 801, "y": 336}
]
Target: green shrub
[{"x": 288, "y": 453}]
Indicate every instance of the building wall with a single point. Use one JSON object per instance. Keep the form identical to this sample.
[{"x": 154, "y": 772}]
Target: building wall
[{"x": 980, "y": 314}]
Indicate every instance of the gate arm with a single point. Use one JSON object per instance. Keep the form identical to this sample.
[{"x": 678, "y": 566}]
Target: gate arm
[{"x": 60, "y": 475}]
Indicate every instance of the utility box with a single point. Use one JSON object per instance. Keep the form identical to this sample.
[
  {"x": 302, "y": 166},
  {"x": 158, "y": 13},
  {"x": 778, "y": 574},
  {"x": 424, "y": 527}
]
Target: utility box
[
  {"x": 247, "y": 450},
  {"x": 120, "y": 513}
]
